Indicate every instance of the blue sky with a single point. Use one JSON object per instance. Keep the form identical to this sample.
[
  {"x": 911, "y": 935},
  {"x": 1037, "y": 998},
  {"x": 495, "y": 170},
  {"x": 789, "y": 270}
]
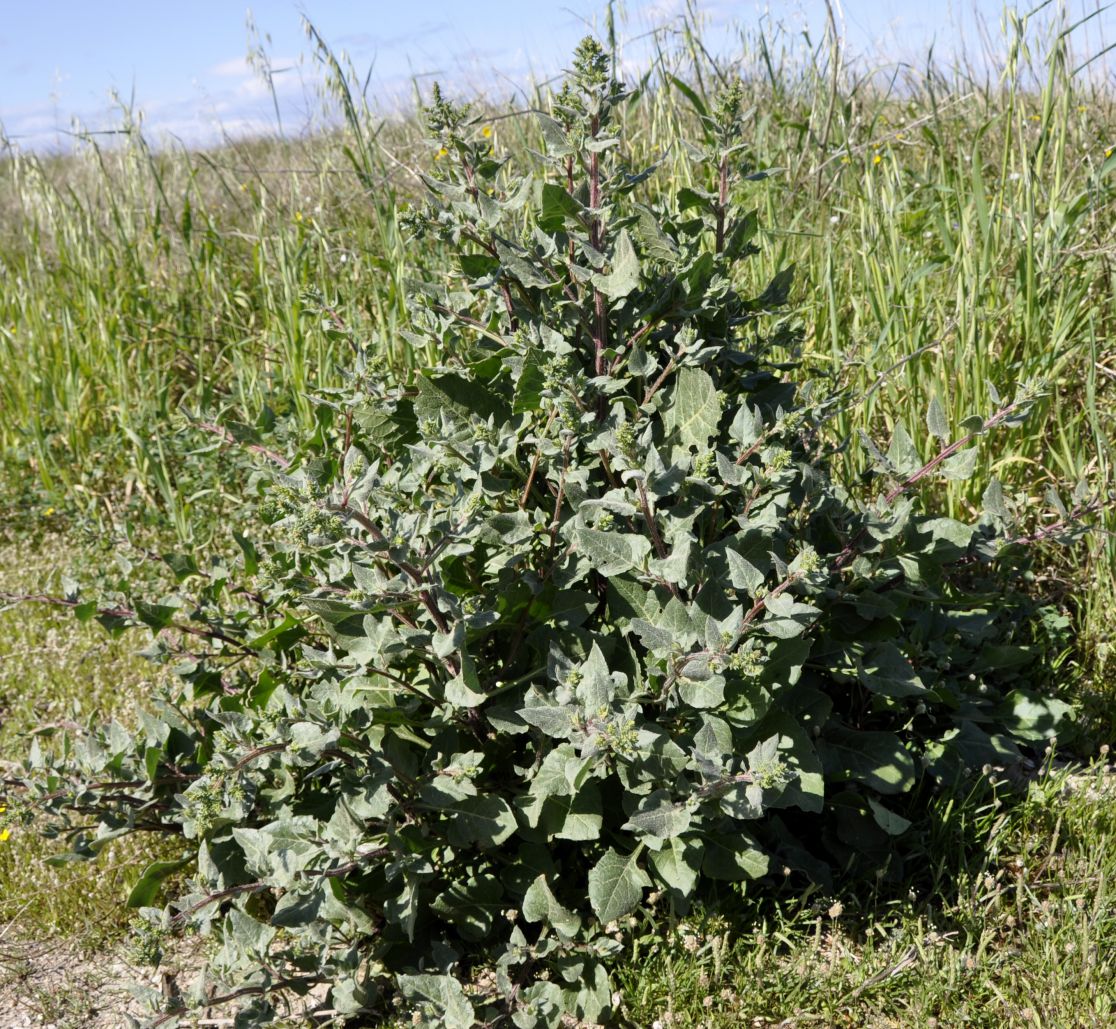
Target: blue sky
[{"x": 184, "y": 61}]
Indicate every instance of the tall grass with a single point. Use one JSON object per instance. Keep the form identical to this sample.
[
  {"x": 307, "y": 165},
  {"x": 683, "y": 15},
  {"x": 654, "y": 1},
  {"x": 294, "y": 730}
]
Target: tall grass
[{"x": 951, "y": 227}]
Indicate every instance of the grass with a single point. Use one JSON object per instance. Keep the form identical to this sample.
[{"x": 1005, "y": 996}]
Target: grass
[
  {"x": 948, "y": 231},
  {"x": 1020, "y": 931},
  {"x": 56, "y": 673}
]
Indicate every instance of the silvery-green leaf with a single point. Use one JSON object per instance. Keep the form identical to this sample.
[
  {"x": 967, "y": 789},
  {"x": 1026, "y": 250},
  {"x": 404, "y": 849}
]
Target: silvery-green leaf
[
  {"x": 677, "y": 864},
  {"x": 309, "y": 739},
  {"x": 743, "y": 574},
  {"x": 888, "y": 672},
  {"x": 554, "y": 134},
  {"x": 543, "y": 713},
  {"x": 879, "y": 460},
  {"x": 903, "y": 454},
  {"x": 734, "y": 856},
  {"x": 470, "y": 905},
  {"x": 350, "y": 996},
  {"x": 656, "y": 243},
  {"x": 951, "y": 537},
  {"x": 641, "y": 363},
  {"x": 654, "y": 638},
  {"x": 729, "y": 472},
  {"x": 484, "y": 820},
  {"x": 344, "y": 829},
  {"x": 714, "y": 738},
  {"x": 590, "y": 996},
  {"x": 520, "y": 267},
  {"x": 705, "y": 692},
  {"x": 743, "y": 801},
  {"x": 249, "y": 934},
  {"x": 936, "y": 420},
  {"x": 445, "y": 643},
  {"x": 877, "y": 759},
  {"x": 803, "y": 785},
  {"x": 889, "y": 821},
  {"x": 676, "y": 619},
  {"x": 541, "y": 1006},
  {"x": 623, "y": 276},
  {"x": 540, "y": 905},
  {"x": 616, "y": 884},
  {"x": 464, "y": 689},
  {"x": 613, "y": 553},
  {"x": 294, "y": 909},
  {"x": 747, "y": 426},
  {"x": 506, "y": 528},
  {"x": 785, "y": 617},
  {"x": 695, "y": 410},
  {"x": 631, "y": 600},
  {"x": 559, "y": 207},
  {"x": 961, "y": 465},
  {"x": 561, "y": 773},
  {"x": 993, "y": 501},
  {"x": 674, "y": 568},
  {"x": 575, "y": 818},
  {"x": 659, "y": 817},
  {"x": 597, "y": 687},
  {"x": 445, "y": 993}
]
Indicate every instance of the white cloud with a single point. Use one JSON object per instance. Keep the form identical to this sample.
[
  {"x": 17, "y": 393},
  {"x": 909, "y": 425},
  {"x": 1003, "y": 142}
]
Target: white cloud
[{"x": 234, "y": 67}]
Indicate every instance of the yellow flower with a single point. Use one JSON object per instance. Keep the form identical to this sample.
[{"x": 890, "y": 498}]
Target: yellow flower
[
  {"x": 5, "y": 834},
  {"x": 48, "y": 512},
  {"x": 845, "y": 160},
  {"x": 1036, "y": 117},
  {"x": 298, "y": 216},
  {"x": 487, "y": 132},
  {"x": 877, "y": 159},
  {"x": 1082, "y": 108},
  {"x": 1110, "y": 151}
]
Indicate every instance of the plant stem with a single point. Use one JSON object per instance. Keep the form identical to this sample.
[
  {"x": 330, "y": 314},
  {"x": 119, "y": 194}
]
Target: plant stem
[{"x": 596, "y": 233}]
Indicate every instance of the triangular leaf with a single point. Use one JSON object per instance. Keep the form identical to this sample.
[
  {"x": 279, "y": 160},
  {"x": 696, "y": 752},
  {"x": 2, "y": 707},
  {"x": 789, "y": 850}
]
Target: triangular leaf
[{"x": 616, "y": 884}]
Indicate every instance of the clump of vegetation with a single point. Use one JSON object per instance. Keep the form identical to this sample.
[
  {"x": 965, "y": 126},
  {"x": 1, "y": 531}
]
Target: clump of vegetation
[{"x": 571, "y": 626}]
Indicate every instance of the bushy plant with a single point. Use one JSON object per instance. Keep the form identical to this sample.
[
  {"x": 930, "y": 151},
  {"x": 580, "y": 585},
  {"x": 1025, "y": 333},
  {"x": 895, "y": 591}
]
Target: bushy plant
[{"x": 572, "y": 627}]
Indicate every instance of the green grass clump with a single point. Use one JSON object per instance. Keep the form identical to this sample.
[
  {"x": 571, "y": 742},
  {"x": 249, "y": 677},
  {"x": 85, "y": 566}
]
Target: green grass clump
[
  {"x": 1021, "y": 931},
  {"x": 55, "y": 675}
]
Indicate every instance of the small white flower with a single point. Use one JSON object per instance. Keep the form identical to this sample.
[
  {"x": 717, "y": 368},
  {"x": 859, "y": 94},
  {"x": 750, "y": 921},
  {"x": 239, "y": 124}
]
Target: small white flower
[{"x": 834, "y": 219}]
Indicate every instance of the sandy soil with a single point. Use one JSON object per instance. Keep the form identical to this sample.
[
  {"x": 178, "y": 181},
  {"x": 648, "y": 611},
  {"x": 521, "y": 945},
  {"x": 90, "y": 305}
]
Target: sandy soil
[{"x": 47, "y": 985}]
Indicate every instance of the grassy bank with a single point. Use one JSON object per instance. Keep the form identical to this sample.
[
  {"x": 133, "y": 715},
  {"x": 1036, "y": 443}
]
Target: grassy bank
[{"x": 951, "y": 235}]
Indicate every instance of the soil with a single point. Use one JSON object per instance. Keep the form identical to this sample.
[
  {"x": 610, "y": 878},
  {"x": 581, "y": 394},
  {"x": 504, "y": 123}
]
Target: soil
[{"x": 48, "y": 985}]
